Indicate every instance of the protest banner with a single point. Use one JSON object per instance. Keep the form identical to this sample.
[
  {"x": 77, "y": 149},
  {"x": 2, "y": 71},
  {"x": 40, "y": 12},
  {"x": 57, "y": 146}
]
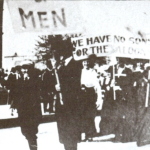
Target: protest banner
[
  {"x": 47, "y": 17},
  {"x": 111, "y": 45}
]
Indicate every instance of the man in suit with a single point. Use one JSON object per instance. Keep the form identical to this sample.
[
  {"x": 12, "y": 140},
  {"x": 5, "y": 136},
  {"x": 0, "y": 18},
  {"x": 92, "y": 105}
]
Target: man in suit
[
  {"x": 68, "y": 111},
  {"x": 48, "y": 88},
  {"x": 28, "y": 104},
  {"x": 125, "y": 104}
]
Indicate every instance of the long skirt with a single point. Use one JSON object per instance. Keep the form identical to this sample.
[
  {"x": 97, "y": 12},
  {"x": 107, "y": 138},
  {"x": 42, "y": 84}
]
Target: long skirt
[
  {"x": 68, "y": 122},
  {"x": 107, "y": 114},
  {"x": 125, "y": 113},
  {"x": 143, "y": 130},
  {"x": 88, "y": 104}
]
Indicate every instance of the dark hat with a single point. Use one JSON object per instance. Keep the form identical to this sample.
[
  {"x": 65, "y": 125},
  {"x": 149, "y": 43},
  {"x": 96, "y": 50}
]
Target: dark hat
[{"x": 27, "y": 64}]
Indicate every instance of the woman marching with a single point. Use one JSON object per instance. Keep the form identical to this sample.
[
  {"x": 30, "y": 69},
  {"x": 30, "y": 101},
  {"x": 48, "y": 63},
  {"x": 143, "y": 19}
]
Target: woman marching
[
  {"x": 91, "y": 100},
  {"x": 143, "y": 109}
]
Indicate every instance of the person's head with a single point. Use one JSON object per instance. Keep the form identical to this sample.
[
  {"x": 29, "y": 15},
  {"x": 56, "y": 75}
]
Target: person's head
[
  {"x": 13, "y": 70},
  {"x": 146, "y": 66},
  {"x": 129, "y": 63},
  {"x": 92, "y": 58},
  {"x": 62, "y": 62},
  {"x": 27, "y": 68},
  {"x": 108, "y": 60},
  {"x": 85, "y": 63},
  {"x": 18, "y": 69},
  {"x": 121, "y": 65},
  {"x": 108, "y": 74},
  {"x": 130, "y": 66},
  {"x": 24, "y": 69},
  {"x": 98, "y": 63},
  {"x": 138, "y": 65}
]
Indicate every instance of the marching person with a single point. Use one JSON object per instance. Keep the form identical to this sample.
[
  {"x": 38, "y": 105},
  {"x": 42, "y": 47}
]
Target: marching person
[
  {"x": 68, "y": 110},
  {"x": 28, "y": 104},
  {"x": 11, "y": 85},
  {"x": 48, "y": 88},
  {"x": 139, "y": 87},
  {"x": 125, "y": 104},
  {"x": 91, "y": 98},
  {"x": 2, "y": 77},
  {"x": 142, "y": 132}
]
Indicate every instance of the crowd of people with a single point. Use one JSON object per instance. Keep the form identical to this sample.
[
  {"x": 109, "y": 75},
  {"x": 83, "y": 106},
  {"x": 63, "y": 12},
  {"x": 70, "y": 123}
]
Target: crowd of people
[
  {"x": 28, "y": 87},
  {"x": 92, "y": 98},
  {"x": 3, "y": 91},
  {"x": 103, "y": 99},
  {"x": 3, "y": 76},
  {"x": 47, "y": 85},
  {"x": 125, "y": 90}
]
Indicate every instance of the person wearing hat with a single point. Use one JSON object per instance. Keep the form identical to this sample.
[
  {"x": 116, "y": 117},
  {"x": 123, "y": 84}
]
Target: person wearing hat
[
  {"x": 91, "y": 98},
  {"x": 28, "y": 106},
  {"x": 125, "y": 106},
  {"x": 68, "y": 111},
  {"x": 11, "y": 84},
  {"x": 48, "y": 88}
]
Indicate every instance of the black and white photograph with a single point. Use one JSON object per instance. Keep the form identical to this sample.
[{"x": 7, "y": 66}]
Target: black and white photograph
[{"x": 74, "y": 75}]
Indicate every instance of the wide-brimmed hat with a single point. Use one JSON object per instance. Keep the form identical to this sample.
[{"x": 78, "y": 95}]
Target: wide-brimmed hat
[{"x": 26, "y": 64}]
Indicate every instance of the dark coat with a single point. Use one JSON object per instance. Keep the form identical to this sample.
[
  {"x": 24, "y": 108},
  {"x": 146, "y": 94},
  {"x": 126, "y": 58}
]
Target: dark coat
[
  {"x": 29, "y": 108},
  {"x": 11, "y": 85},
  {"x": 125, "y": 111},
  {"x": 68, "y": 115},
  {"x": 48, "y": 81}
]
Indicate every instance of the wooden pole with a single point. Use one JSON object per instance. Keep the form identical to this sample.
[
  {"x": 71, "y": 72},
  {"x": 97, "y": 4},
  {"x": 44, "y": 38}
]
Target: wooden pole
[
  {"x": 114, "y": 93},
  {"x": 147, "y": 91},
  {"x": 1, "y": 33}
]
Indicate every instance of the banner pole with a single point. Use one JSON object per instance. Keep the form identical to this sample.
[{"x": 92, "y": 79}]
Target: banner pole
[
  {"x": 147, "y": 91},
  {"x": 114, "y": 83}
]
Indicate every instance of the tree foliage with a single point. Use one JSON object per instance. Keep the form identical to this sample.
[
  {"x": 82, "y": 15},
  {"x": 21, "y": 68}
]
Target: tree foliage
[{"x": 58, "y": 45}]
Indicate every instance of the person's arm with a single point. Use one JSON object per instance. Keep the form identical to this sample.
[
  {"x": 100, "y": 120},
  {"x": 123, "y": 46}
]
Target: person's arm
[
  {"x": 98, "y": 91},
  {"x": 99, "y": 102},
  {"x": 82, "y": 79}
]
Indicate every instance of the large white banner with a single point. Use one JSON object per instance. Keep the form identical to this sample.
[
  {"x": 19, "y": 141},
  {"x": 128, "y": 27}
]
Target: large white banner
[
  {"x": 111, "y": 45},
  {"x": 50, "y": 17}
]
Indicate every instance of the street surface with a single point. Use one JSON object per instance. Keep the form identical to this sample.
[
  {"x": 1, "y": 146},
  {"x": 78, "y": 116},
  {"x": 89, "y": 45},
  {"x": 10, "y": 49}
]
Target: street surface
[{"x": 12, "y": 139}]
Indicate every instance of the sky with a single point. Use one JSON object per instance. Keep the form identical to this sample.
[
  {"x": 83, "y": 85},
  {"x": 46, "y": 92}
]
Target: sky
[
  {"x": 15, "y": 42},
  {"x": 98, "y": 17},
  {"x": 21, "y": 43}
]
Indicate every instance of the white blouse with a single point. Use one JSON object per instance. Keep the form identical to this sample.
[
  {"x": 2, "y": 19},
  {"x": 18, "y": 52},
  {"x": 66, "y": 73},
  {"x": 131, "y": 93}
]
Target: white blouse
[{"x": 89, "y": 79}]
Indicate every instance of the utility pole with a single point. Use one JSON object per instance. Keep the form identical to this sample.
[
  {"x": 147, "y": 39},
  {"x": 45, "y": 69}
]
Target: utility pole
[{"x": 1, "y": 30}]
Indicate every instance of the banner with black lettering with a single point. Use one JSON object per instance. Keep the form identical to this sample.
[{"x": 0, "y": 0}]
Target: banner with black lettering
[
  {"x": 48, "y": 17},
  {"x": 111, "y": 45}
]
